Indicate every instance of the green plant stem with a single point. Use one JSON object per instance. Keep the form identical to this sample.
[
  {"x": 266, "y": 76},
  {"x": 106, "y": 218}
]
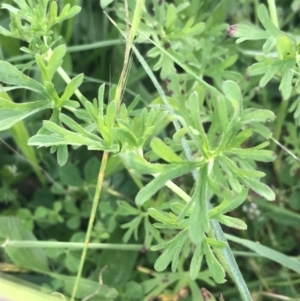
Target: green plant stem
[
  {"x": 70, "y": 245},
  {"x": 273, "y": 12},
  {"x": 91, "y": 221}
]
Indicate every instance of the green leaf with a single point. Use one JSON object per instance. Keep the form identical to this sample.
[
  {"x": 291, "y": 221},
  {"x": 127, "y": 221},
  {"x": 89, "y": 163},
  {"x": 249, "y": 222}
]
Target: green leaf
[
  {"x": 179, "y": 247},
  {"x": 261, "y": 130},
  {"x": 132, "y": 228},
  {"x": 266, "y": 21},
  {"x": 163, "y": 217},
  {"x": 111, "y": 113},
  {"x": 126, "y": 135},
  {"x": 63, "y": 136},
  {"x": 246, "y": 32},
  {"x": 53, "y": 13},
  {"x": 220, "y": 109},
  {"x": 91, "y": 170},
  {"x": 134, "y": 290},
  {"x": 269, "y": 253},
  {"x": 229, "y": 204},
  {"x": 164, "y": 151},
  {"x": 137, "y": 162},
  {"x": 11, "y": 112},
  {"x": 170, "y": 252},
  {"x": 196, "y": 261},
  {"x": 68, "y": 13},
  {"x": 33, "y": 258},
  {"x": 256, "y": 115},
  {"x": 101, "y": 100},
  {"x": 126, "y": 209},
  {"x": 177, "y": 207},
  {"x": 171, "y": 16},
  {"x": 269, "y": 45},
  {"x": 215, "y": 268},
  {"x": 241, "y": 137},
  {"x": 71, "y": 88},
  {"x": 260, "y": 188},
  {"x": 231, "y": 222},
  {"x": 219, "y": 189},
  {"x": 56, "y": 58},
  {"x": 72, "y": 261},
  {"x": 252, "y": 153},
  {"x": 41, "y": 66},
  {"x": 241, "y": 172},
  {"x": 119, "y": 265},
  {"x": 10, "y": 75},
  {"x": 268, "y": 69},
  {"x": 199, "y": 220},
  {"x": 233, "y": 94},
  {"x": 171, "y": 172},
  {"x": 70, "y": 175},
  {"x": 73, "y": 125},
  {"x": 194, "y": 104},
  {"x": 218, "y": 244},
  {"x": 286, "y": 83},
  {"x": 62, "y": 155}
]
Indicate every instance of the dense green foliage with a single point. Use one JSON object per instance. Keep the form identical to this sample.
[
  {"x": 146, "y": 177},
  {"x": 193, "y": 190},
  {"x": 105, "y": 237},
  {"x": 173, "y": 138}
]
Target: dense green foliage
[{"x": 148, "y": 159}]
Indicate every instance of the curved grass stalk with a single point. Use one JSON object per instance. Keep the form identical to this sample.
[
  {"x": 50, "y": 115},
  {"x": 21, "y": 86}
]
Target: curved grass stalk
[
  {"x": 91, "y": 221},
  {"x": 69, "y": 245}
]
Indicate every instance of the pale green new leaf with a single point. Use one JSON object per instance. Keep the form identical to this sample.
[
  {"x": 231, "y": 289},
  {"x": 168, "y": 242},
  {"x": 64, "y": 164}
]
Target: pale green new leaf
[
  {"x": 163, "y": 217},
  {"x": 164, "y": 151},
  {"x": 218, "y": 244},
  {"x": 56, "y": 59},
  {"x": 71, "y": 88}
]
